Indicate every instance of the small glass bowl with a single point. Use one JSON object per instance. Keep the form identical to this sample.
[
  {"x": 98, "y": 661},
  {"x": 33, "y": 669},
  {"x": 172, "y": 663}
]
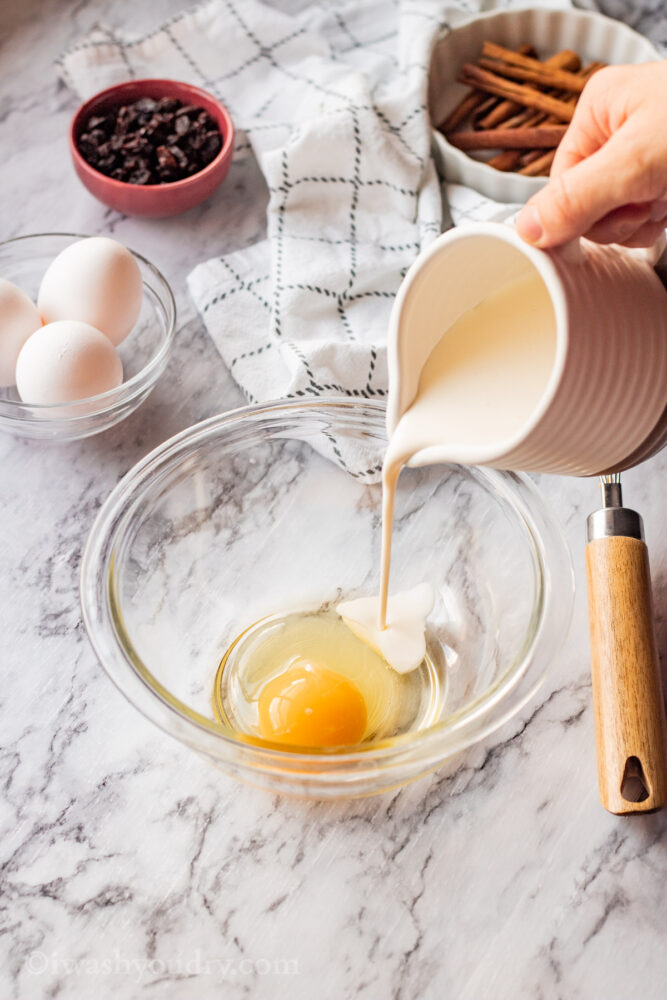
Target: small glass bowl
[
  {"x": 242, "y": 516},
  {"x": 144, "y": 352}
]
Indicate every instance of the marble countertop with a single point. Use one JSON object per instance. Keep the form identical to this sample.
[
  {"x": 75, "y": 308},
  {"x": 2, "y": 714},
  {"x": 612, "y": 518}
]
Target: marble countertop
[{"x": 131, "y": 868}]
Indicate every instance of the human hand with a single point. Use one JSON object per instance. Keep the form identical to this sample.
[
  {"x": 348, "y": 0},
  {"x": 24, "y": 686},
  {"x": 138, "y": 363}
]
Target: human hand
[{"x": 609, "y": 176}]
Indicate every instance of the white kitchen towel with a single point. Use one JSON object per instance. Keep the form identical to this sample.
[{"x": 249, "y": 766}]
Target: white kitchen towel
[{"x": 332, "y": 102}]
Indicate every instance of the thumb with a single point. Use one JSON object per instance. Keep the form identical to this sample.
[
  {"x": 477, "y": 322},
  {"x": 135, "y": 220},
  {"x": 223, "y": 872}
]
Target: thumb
[{"x": 576, "y": 199}]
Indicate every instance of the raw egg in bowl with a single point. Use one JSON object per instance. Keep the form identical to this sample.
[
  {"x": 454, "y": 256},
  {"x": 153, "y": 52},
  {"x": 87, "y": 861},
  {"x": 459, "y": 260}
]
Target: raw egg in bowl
[
  {"x": 107, "y": 320},
  {"x": 211, "y": 578}
]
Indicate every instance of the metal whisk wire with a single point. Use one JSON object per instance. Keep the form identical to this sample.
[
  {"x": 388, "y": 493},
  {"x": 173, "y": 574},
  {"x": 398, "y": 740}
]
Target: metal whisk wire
[{"x": 611, "y": 490}]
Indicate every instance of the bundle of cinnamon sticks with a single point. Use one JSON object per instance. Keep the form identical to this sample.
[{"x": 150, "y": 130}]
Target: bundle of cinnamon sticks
[{"x": 519, "y": 105}]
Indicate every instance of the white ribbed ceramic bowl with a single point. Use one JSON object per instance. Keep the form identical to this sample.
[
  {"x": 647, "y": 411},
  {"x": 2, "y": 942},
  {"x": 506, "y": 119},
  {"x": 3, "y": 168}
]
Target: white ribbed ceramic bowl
[{"x": 592, "y": 36}]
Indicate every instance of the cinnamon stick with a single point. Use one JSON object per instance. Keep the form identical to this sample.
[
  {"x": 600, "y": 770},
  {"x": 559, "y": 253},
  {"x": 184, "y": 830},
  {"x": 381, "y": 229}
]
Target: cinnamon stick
[
  {"x": 540, "y": 166},
  {"x": 540, "y": 137},
  {"x": 567, "y": 60},
  {"x": 483, "y": 110},
  {"x": 507, "y": 110},
  {"x": 500, "y": 114},
  {"x": 527, "y": 117},
  {"x": 518, "y": 104},
  {"x": 529, "y": 97},
  {"x": 573, "y": 98},
  {"x": 546, "y": 77},
  {"x": 463, "y": 109},
  {"x": 509, "y": 159},
  {"x": 530, "y": 156}
]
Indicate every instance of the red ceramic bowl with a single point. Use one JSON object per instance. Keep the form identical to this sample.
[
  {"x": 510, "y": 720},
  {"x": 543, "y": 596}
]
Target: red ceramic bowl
[{"x": 153, "y": 200}]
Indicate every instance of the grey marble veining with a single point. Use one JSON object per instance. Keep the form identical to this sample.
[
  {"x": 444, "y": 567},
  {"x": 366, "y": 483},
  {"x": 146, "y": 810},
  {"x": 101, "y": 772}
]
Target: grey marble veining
[{"x": 130, "y": 868}]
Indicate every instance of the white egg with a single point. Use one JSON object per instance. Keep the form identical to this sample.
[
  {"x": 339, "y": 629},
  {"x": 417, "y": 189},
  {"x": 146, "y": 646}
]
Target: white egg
[
  {"x": 66, "y": 361},
  {"x": 19, "y": 317},
  {"x": 97, "y": 281}
]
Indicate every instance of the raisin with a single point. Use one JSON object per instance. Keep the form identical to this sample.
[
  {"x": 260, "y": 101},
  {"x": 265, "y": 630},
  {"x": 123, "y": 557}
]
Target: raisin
[
  {"x": 165, "y": 157},
  {"x": 189, "y": 110},
  {"x": 179, "y": 156},
  {"x": 150, "y": 141},
  {"x": 88, "y": 149},
  {"x": 168, "y": 104},
  {"x": 145, "y": 104},
  {"x": 106, "y": 164},
  {"x": 140, "y": 177},
  {"x": 102, "y": 122}
]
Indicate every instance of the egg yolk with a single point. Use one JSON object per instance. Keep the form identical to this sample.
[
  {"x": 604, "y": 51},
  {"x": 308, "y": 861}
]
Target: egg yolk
[{"x": 309, "y": 705}]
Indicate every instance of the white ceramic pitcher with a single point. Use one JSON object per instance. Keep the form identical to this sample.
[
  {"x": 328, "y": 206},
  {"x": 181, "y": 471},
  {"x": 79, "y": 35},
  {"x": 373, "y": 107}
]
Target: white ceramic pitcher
[{"x": 604, "y": 405}]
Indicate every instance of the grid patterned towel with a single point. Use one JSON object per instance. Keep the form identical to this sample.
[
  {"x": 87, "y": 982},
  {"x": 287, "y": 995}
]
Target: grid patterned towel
[{"x": 332, "y": 102}]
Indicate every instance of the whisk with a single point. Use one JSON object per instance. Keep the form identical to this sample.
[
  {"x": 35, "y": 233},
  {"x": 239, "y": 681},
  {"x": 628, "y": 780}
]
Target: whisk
[{"x": 627, "y": 696}]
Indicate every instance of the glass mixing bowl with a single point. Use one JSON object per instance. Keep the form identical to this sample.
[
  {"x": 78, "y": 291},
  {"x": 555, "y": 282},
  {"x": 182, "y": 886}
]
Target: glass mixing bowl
[
  {"x": 144, "y": 352},
  {"x": 277, "y": 508}
]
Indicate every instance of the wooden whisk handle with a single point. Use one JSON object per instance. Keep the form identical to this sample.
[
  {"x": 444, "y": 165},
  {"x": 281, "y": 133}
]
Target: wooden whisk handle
[{"x": 627, "y": 695}]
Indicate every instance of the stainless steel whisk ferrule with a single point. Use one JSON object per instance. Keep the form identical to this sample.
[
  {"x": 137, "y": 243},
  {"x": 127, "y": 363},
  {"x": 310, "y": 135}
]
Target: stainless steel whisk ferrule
[{"x": 613, "y": 518}]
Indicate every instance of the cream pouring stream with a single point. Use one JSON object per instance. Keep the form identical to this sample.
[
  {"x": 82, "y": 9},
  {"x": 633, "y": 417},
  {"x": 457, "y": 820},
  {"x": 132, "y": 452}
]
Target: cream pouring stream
[{"x": 479, "y": 385}]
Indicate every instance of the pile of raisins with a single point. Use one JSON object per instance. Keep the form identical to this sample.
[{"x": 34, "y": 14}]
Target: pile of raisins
[{"x": 150, "y": 141}]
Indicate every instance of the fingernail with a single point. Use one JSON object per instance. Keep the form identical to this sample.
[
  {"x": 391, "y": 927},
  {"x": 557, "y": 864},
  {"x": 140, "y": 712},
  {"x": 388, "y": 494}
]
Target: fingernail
[{"x": 528, "y": 224}]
